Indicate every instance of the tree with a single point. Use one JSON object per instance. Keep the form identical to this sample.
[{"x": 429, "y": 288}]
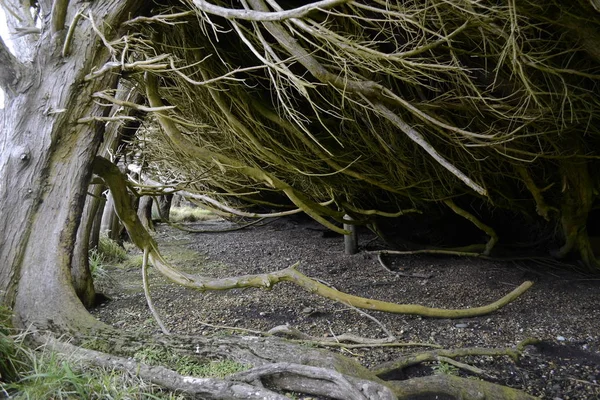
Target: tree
[{"x": 52, "y": 129}]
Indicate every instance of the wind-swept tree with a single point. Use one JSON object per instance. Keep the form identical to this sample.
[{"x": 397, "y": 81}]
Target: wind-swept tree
[{"x": 60, "y": 106}]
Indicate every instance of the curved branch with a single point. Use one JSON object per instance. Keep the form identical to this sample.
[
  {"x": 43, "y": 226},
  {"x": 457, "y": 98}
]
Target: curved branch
[
  {"x": 473, "y": 219},
  {"x": 140, "y": 236},
  {"x": 250, "y": 15},
  {"x": 157, "y": 317}
]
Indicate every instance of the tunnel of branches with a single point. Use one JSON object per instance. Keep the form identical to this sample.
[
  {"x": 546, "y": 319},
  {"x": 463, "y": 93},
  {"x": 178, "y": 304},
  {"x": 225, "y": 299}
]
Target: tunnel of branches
[{"x": 462, "y": 125}]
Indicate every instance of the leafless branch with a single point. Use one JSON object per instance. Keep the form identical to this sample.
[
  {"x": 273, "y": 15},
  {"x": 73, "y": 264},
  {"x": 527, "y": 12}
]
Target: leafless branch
[{"x": 251, "y": 15}]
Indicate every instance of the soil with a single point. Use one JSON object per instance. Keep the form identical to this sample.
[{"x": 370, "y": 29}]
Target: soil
[{"x": 562, "y": 309}]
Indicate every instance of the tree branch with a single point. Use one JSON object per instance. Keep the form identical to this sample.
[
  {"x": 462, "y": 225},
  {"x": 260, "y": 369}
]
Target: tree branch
[
  {"x": 59, "y": 14},
  {"x": 139, "y": 235},
  {"x": 251, "y": 15}
]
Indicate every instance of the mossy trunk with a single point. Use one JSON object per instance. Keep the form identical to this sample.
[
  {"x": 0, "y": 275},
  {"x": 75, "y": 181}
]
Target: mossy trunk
[{"x": 577, "y": 199}]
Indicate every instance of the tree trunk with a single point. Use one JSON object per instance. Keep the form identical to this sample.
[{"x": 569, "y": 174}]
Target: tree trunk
[
  {"x": 577, "y": 200},
  {"x": 95, "y": 232},
  {"x": 80, "y": 267},
  {"x": 45, "y": 159},
  {"x": 164, "y": 207},
  {"x": 145, "y": 212},
  {"x": 110, "y": 224}
]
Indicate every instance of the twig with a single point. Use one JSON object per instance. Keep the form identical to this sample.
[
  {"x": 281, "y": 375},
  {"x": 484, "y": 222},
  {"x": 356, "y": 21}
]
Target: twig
[
  {"x": 389, "y": 334},
  {"x": 69, "y": 38},
  {"x": 399, "y": 273},
  {"x": 250, "y": 15}
]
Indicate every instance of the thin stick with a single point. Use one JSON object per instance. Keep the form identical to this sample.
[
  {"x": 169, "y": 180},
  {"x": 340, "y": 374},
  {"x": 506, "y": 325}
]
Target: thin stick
[{"x": 147, "y": 293}]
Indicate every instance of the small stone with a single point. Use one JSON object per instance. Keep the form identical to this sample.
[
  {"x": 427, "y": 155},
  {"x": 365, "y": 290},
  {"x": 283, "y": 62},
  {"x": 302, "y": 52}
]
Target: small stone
[
  {"x": 308, "y": 310},
  {"x": 262, "y": 313},
  {"x": 461, "y": 325},
  {"x": 560, "y": 338}
]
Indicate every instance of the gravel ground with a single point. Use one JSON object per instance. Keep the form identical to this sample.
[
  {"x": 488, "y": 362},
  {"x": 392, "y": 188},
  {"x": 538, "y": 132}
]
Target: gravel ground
[{"x": 561, "y": 309}]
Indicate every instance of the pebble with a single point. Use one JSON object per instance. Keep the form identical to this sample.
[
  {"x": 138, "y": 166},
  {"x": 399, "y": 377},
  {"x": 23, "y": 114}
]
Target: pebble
[{"x": 461, "y": 325}]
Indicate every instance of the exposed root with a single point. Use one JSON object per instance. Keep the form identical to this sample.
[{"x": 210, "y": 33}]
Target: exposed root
[
  {"x": 209, "y": 388},
  {"x": 313, "y": 372},
  {"x": 434, "y": 355},
  {"x": 319, "y": 381},
  {"x": 454, "y": 387},
  {"x": 343, "y": 340}
]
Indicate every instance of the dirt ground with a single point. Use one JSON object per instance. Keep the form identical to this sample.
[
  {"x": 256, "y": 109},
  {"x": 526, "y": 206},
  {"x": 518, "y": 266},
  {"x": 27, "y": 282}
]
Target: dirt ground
[{"x": 562, "y": 309}]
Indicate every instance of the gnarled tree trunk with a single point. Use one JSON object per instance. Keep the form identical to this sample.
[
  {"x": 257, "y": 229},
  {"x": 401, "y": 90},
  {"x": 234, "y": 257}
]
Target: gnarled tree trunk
[{"x": 47, "y": 142}]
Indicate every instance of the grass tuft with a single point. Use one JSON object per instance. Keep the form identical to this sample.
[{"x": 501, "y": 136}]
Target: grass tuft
[
  {"x": 111, "y": 251},
  {"x": 186, "y": 365},
  {"x": 41, "y": 374},
  {"x": 189, "y": 214}
]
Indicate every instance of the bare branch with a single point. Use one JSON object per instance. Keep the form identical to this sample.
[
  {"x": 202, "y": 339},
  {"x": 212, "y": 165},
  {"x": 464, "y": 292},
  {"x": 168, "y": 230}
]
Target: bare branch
[
  {"x": 251, "y": 15},
  {"x": 59, "y": 14},
  {"x": 67, "y": 45}
]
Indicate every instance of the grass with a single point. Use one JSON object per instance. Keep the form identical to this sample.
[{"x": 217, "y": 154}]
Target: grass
[
  {"x": 445, "y": 368},
  {"x": 189, "y": 214},
  {"x": 111, "y": 251},
  {"x": 40, "y": 374},
  {"x": 186, "y": 365}
]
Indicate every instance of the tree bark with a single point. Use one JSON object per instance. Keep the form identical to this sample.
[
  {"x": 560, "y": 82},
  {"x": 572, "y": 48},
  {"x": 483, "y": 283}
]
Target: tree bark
[
  {"x": 164, "y": 207},
  {"x": 80, "y": 266},
  {"x": 110, "y": 224},
  {"x": 145, "y": 212},
  {"x": 45, "y": 158}
]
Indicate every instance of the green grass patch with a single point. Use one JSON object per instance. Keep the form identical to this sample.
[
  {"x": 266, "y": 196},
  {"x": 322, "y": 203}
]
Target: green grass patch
[
  {"x": 190, "y": 214},
  {"x": 445, "y": 368},
  {"x": 40, "y": 374},
  {"x": 111, "y": 251},
  {"x": 186, "y": 365}
]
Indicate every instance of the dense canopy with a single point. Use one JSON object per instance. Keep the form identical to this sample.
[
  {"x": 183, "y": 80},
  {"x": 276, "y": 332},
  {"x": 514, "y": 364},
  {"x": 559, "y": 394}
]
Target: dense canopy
[{"x": 487, "y": 109}]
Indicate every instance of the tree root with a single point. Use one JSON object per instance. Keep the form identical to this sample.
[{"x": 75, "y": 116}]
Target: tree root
[
  {"x": 435, "y": 355},
  {"x": 140, "y": 236},
  {"x": 454, "y": 387},
  {"x": 209, "y": 388},
  {"x": 279, "y": 366}
]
